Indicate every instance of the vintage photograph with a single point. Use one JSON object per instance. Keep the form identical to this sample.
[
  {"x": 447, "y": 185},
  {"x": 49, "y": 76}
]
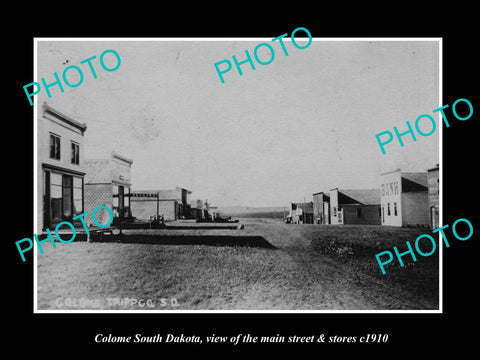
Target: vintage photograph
[{"x": 236, "y": 174}]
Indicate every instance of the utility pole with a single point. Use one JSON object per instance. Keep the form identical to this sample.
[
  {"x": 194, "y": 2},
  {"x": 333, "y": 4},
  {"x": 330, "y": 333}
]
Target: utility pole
[
  {"x": 304, "y": 214},
  {"x": 158, "y": 203}
]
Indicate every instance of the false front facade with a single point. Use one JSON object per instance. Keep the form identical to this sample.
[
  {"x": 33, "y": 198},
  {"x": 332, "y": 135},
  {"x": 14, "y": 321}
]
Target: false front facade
[
  {"x": 404, "y": 199},
  {"x": 60, "y": 168}
]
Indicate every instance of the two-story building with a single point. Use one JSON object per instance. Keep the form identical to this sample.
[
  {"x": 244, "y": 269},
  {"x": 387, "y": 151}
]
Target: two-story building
[{"x": 60, "y": 168}]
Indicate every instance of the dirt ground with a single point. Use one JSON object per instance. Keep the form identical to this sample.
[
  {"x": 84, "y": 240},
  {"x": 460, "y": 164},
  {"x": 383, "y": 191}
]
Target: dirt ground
[{"x": 267, "y": 265}]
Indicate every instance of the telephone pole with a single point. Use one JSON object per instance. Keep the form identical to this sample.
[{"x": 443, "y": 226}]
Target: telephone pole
[{"x": 304, "y": 214}]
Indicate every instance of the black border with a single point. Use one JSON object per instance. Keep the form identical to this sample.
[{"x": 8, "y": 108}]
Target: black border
[{"x": 408, "y": 333}]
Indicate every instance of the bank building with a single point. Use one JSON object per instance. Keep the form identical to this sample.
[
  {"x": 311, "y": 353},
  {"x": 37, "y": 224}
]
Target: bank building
[{"x": 404, "y": 199}]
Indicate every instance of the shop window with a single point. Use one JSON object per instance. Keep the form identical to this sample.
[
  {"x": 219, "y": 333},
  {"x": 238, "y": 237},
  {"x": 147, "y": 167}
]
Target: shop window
[
  {"x": 67, "y": 185},
  {"x": 77, "y": 195},
  {"x": 56, "y": 198},
  {"x": 388, "y": 209},
  {"x": 395, "y": 209},
  {"x": 66, "y": 197},
  {"x": 54, "y": 147},
  {"x": 127, "y": 201}
]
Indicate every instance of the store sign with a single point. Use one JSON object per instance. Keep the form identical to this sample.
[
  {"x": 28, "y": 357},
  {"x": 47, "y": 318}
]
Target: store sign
[{"x": 390, "y": 188}]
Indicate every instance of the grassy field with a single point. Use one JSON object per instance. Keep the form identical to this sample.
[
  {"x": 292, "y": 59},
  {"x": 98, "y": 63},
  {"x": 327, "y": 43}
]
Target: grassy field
[{"x": 266, "y": 266}]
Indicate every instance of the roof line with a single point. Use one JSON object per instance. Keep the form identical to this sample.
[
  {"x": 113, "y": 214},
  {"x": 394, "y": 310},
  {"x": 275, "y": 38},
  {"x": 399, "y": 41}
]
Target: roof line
[
  {"x": 47, "y": 108},
  {"x": 389, "y": 172},
  {"x": 121, "y": 157}
]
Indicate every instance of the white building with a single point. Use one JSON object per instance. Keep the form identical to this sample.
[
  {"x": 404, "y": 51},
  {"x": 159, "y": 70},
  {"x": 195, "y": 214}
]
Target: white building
[
  {"x": 404, "y": 199},
  {"x": 60, "y": 168}
]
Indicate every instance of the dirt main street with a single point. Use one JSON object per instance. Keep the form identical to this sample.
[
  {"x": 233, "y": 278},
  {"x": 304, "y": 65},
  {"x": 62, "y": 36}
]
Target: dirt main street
[{"x": 266, "y": 266}]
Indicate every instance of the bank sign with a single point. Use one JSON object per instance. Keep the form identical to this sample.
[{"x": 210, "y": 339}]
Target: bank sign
[{"x": 390, "y": 188}]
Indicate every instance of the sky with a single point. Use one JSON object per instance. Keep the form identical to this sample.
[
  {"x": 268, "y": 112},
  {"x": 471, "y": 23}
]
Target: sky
[{"x": 302, "y": 124}]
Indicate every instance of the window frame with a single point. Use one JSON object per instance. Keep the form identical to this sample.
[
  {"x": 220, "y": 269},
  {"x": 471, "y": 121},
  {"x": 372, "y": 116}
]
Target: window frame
[
  {"x": 359, "y": 211},
  {"x": 75, "y": 153},
  {"x": 59, "y": 184},
  {"x": 57, "y": 146},
  {"x": 78, "y": 186}
]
